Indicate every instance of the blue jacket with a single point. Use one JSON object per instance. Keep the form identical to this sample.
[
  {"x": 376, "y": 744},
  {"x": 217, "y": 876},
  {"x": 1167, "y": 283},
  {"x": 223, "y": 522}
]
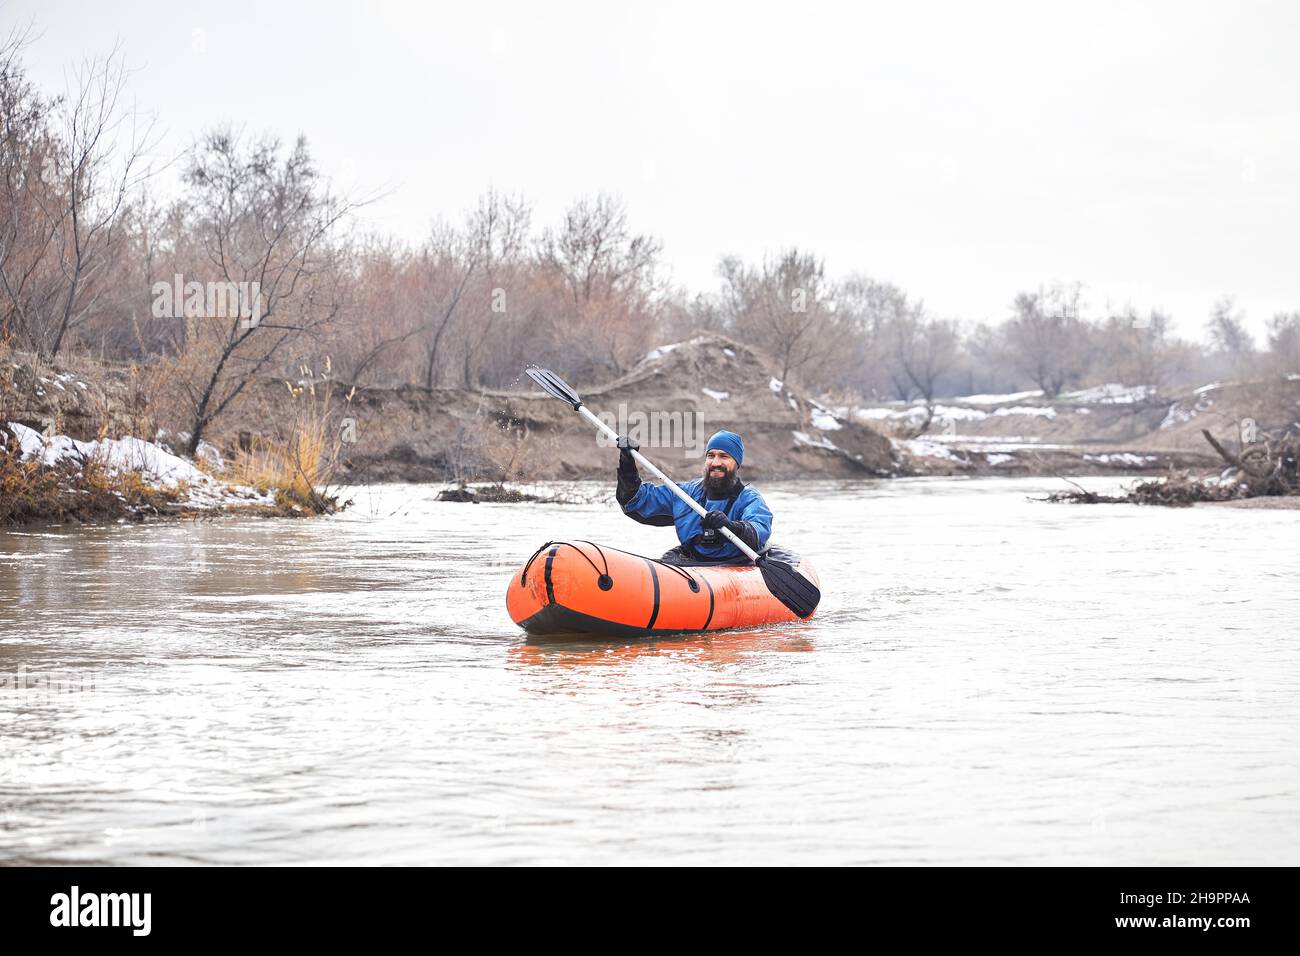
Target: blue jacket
[{"x": 656, "y": 504}]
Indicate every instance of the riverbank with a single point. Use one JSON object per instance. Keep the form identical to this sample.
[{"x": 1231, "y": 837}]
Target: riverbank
[
  {"x": 1113, "y": 428},
  {"x": 671, "y": 400}
]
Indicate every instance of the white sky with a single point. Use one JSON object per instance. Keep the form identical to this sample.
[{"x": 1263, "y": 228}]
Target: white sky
[{"x": 964, "y": 151}]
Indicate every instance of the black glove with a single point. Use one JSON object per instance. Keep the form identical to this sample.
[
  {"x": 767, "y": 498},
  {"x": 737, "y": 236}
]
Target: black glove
[
  {"x": 714, "y": 520},
  {"x": 625, "y": 460},
  {"x": 741, "y": 529},
  {"x": 629, "y": 479}
]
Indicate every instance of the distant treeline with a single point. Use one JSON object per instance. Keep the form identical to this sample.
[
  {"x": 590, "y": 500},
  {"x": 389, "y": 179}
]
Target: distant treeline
[{"x": 90, "y": 260}]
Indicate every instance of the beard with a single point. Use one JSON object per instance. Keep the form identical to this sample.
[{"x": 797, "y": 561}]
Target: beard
[{"x": 717, "y": 488}]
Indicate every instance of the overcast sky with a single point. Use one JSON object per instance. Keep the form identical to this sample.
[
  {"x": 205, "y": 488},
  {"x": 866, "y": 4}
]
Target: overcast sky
[{"x": 963, "y": 151}]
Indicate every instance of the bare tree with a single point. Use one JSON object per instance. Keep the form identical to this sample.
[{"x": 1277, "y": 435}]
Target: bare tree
[
  {"x": 1227, "y": 328},
  {"x": 499, "y": 230},
  {"x": 786, "y": 307},
  {"x": 1141, "y": 349},
  {"x": 595, "y": 250},
  {"x": 267, "y": 225},
  {"x": 383, "y": 315},
  {"x": 923, "y": 349},
  {"x": 869, "y": 310},
  {"x": 1046, "y": 338},
  {"x": 30, "y": 198},
  {"x": 984, "y": 365},
  {"x": 1229, "y": 336},
  {"x": 684, "y": 314},
  {"x": 606, "y": 272},
  {"x": 99, "y": 164},
  {"x": 1284, "y": 342},
  {"x": 447, "y": 264}
]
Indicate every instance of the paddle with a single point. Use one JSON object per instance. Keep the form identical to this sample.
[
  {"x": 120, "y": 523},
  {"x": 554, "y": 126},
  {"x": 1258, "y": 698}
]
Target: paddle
[{"x": 786, "y": 584}]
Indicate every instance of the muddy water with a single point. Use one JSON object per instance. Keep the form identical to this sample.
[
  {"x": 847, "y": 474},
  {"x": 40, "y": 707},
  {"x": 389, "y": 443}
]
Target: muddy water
[{"x": 990, "y": 679}]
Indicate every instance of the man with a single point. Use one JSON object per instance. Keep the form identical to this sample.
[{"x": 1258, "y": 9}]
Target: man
[{"x": 729, "y": 503}]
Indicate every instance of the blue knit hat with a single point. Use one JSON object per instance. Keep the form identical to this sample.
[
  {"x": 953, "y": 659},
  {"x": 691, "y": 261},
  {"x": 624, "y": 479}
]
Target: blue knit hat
[{"x": 729, "y": 442}]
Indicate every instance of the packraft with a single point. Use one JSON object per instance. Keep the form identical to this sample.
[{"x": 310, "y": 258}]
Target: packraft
[{"x": 583, "y": 588}]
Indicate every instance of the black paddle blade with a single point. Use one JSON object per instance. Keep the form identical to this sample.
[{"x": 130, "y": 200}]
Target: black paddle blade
[
  {"x": 552, "y": 384},
  {"x": 790, "y": 587}
]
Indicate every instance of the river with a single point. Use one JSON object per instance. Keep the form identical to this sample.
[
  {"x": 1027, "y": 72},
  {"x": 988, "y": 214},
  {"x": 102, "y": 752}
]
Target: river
[{"x": 990, "y": 679}]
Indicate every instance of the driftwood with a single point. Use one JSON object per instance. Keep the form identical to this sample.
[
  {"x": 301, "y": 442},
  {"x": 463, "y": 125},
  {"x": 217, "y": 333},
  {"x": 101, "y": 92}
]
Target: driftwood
[
  {"x": 497, "y": 494},
  {"x": 1266, "y": 468},
  {"x": 1226, "y": 455}
]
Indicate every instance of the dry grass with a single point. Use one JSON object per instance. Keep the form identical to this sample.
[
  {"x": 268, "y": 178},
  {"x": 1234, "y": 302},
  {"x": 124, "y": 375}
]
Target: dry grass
[{"x": 297, "y": 469}]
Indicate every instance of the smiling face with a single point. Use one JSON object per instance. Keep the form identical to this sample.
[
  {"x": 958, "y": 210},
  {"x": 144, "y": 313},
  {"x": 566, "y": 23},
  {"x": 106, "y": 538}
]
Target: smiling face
[{"x": 719, "y": 470}]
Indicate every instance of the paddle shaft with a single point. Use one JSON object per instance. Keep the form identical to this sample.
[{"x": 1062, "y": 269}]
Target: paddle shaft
[{"x": 641, "y": 459}]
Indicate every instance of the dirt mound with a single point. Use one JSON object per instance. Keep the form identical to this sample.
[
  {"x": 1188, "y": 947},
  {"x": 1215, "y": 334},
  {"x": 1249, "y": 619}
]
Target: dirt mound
[{"x": 726, "y": 385}]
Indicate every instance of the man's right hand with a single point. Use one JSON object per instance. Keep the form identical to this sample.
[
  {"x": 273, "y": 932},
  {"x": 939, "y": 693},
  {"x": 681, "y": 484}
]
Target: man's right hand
[
  {"x": 625, "y": 459},
  {"x": 629, "y": 479}
]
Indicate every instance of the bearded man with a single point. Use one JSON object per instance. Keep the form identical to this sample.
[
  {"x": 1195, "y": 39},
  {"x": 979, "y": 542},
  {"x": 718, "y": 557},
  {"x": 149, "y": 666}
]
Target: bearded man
[{"x": 730, "y": 504}]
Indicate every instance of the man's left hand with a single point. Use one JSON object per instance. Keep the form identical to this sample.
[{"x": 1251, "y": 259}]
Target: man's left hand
[{"x": 714, "y": 520}]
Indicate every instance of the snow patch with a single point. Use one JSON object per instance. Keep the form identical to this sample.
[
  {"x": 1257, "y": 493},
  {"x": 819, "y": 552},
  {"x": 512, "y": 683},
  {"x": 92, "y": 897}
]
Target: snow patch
[
  {"x": 824, "y": 421},
  {"x": 1112, "y": 393},
  {"x": 803, "y": 438},
  {"x": 716, "y": 396},
  {"x": 660, "y": 352},
  {"x": 874, "y": 414},
  {"x": 30, "y": 443},
  {"x": 128, "y": 454},
  {"x": 1122, "y": 458},
  {"x": 120, "y": 455},
  {"x": 1179, "y": 413},
  {"x": 776, "y": 385},
  {"x": 924, "y": 448},
  {"x": 998, "y": 399},
  {"x": 1038, "y": 411},
  {"x": 997, "y": 443},
  {"x": 953, "y": 413},
  {"x": 1176, "y": 415}
]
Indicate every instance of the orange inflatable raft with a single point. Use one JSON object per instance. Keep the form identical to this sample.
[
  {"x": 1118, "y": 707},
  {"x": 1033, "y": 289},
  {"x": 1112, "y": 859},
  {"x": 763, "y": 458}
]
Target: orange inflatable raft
[{"x": 577, "y": 587}]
